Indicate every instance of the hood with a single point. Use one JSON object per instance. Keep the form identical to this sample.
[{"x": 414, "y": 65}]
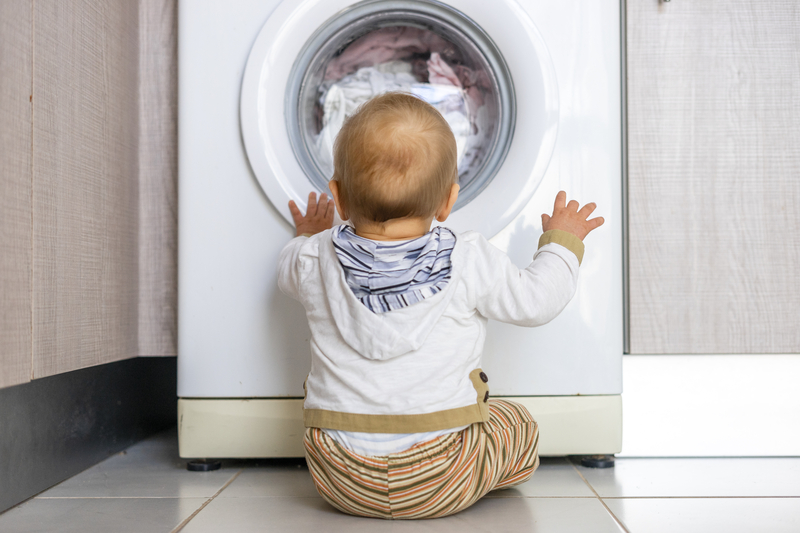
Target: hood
[{"x": 379, "y": 336}]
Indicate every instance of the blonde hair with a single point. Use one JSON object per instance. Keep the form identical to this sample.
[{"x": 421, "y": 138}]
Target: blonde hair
[{"x": 394, "y": 158}]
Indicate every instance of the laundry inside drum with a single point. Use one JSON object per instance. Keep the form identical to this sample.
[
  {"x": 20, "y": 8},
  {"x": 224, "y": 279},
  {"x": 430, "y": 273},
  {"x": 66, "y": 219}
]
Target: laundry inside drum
[{"x": 435, "y": 63}]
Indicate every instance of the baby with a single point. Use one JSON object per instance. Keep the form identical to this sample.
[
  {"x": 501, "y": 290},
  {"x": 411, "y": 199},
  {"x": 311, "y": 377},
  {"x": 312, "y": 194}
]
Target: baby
[{"x": 399, "y": 420}]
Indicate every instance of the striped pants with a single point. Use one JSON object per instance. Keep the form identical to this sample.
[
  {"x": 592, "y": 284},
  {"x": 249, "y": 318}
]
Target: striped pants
[{"x": 432, "y": 479}]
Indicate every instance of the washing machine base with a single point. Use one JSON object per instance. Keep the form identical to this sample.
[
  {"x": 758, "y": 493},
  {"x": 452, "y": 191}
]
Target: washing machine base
[{"x": 251, "y": 428}]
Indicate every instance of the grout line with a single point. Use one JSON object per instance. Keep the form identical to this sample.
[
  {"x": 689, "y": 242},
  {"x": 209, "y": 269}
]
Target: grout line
[
  {"x": 189, "y": 518},
  {"x": 714, "y": 457},
  {"x": 114, "y": 497},
  {"x": 697, "y": 497},
  {"x": 617, "y": 520},
  {"x": 537, "y": 497}
]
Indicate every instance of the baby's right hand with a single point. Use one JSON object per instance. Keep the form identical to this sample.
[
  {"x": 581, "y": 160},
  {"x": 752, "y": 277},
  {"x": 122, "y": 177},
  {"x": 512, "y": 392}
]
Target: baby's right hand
[
  {"x": 318, "y": 217},
  {"x": 568, "y": 218}
]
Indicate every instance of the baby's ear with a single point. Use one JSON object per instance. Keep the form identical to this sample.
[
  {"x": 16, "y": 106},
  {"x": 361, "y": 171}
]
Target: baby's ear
[
  {"x": 447, "y": 206},
  {"x": 333, "y": 185}
]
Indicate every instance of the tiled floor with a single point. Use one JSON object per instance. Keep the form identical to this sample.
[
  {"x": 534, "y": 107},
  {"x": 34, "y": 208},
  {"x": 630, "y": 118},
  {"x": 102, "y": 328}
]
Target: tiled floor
[{"x": 148, "y": 489}]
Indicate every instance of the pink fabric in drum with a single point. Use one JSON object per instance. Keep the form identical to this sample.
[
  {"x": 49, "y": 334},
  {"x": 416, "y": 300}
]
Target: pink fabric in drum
[
  {"x": 440, "y": 72},
  {"x": 403, "y": 42},
  {"x": 384, "y": 45}
]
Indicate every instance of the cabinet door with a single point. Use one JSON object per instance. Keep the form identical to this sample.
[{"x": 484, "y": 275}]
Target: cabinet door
[
  {"x": 15, "y": 192},
  {"x": 85, "y": 184},
  {"x": 714, "y": 176},
  {"x": 158, "y": 177}
]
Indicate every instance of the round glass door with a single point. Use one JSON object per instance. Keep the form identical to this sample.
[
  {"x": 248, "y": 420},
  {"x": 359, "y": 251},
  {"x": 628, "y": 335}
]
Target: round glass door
[{"x": 424, "y": 48}]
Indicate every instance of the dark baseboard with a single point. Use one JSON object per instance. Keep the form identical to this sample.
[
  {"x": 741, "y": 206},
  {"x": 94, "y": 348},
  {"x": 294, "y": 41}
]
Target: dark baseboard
[{"x": 55, "y": 427}]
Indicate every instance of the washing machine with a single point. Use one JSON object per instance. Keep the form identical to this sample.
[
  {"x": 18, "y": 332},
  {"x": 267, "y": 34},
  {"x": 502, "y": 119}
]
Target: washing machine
[{"x": 532, "y": 91}]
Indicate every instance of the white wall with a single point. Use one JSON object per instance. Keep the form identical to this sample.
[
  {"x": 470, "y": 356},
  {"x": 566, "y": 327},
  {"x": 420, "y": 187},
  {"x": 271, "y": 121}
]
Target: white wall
[{"x": 710, "y": 405}]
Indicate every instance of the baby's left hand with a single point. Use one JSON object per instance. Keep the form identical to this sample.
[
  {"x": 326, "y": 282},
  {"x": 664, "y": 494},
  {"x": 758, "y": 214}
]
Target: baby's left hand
[
  {"x": 318, "y": 218},
  {"x": 566, "y": 217}
]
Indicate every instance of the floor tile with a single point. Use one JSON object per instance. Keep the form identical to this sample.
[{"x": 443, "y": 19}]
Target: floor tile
[
  {"x": 495, "y": 515},
  {"x": 151, "y": 468},
  {"x": 101, "y": 515},
  {"x": 704, "y": 515},
  {"x": 772, "y": 476},
  {"x": 555, "y": 477},
  {"x": 272, "y": 481}
]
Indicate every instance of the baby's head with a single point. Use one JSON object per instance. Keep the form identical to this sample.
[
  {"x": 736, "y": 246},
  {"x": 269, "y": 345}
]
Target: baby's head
[{"x": 395, "y": 158}]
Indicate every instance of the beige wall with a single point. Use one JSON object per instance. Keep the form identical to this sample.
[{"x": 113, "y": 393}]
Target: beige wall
[
  {"x": 158, "y": 177},
  {"x": 88, "y": 222},
  {"x": 15, "y": 191},
  {"x": 85, "y": 195},
  {"x": 714, "y": 176}
]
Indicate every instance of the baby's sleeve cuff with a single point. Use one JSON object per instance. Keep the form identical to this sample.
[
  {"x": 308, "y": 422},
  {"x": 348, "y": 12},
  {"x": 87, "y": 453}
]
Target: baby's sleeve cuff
[{"x": 565, "y": 239}]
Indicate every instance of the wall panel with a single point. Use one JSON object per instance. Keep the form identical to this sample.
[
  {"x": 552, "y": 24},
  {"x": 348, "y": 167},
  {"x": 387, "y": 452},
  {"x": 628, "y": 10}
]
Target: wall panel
[
  {"x": 714, "y": 176},
  {"x": 158, "y": 177},
  {"x": 85, "y": 184},
  {"x": 15, "y": 191}
]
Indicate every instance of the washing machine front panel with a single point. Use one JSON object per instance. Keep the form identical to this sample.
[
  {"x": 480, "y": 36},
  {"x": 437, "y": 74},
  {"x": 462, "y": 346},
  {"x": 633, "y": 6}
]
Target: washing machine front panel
[
  {"x": 239, "y": 336},
  {"x": 504, "y": 46},
  {"x": 580, "y": 351}
]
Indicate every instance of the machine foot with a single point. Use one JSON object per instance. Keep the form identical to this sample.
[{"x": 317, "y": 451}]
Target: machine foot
[
  {"x": 597, "y": 461},
  {"x": 203, "y": 465}
]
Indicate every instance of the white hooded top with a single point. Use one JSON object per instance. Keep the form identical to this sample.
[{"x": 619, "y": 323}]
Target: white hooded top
[{"x": 417, "y": 369}]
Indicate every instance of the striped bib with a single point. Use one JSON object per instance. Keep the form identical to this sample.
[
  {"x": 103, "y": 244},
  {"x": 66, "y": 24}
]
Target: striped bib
[{"x": 389, "y": 275}]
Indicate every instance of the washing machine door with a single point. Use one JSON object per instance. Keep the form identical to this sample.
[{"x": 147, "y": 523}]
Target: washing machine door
[{"x": 483, "y": 64}]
